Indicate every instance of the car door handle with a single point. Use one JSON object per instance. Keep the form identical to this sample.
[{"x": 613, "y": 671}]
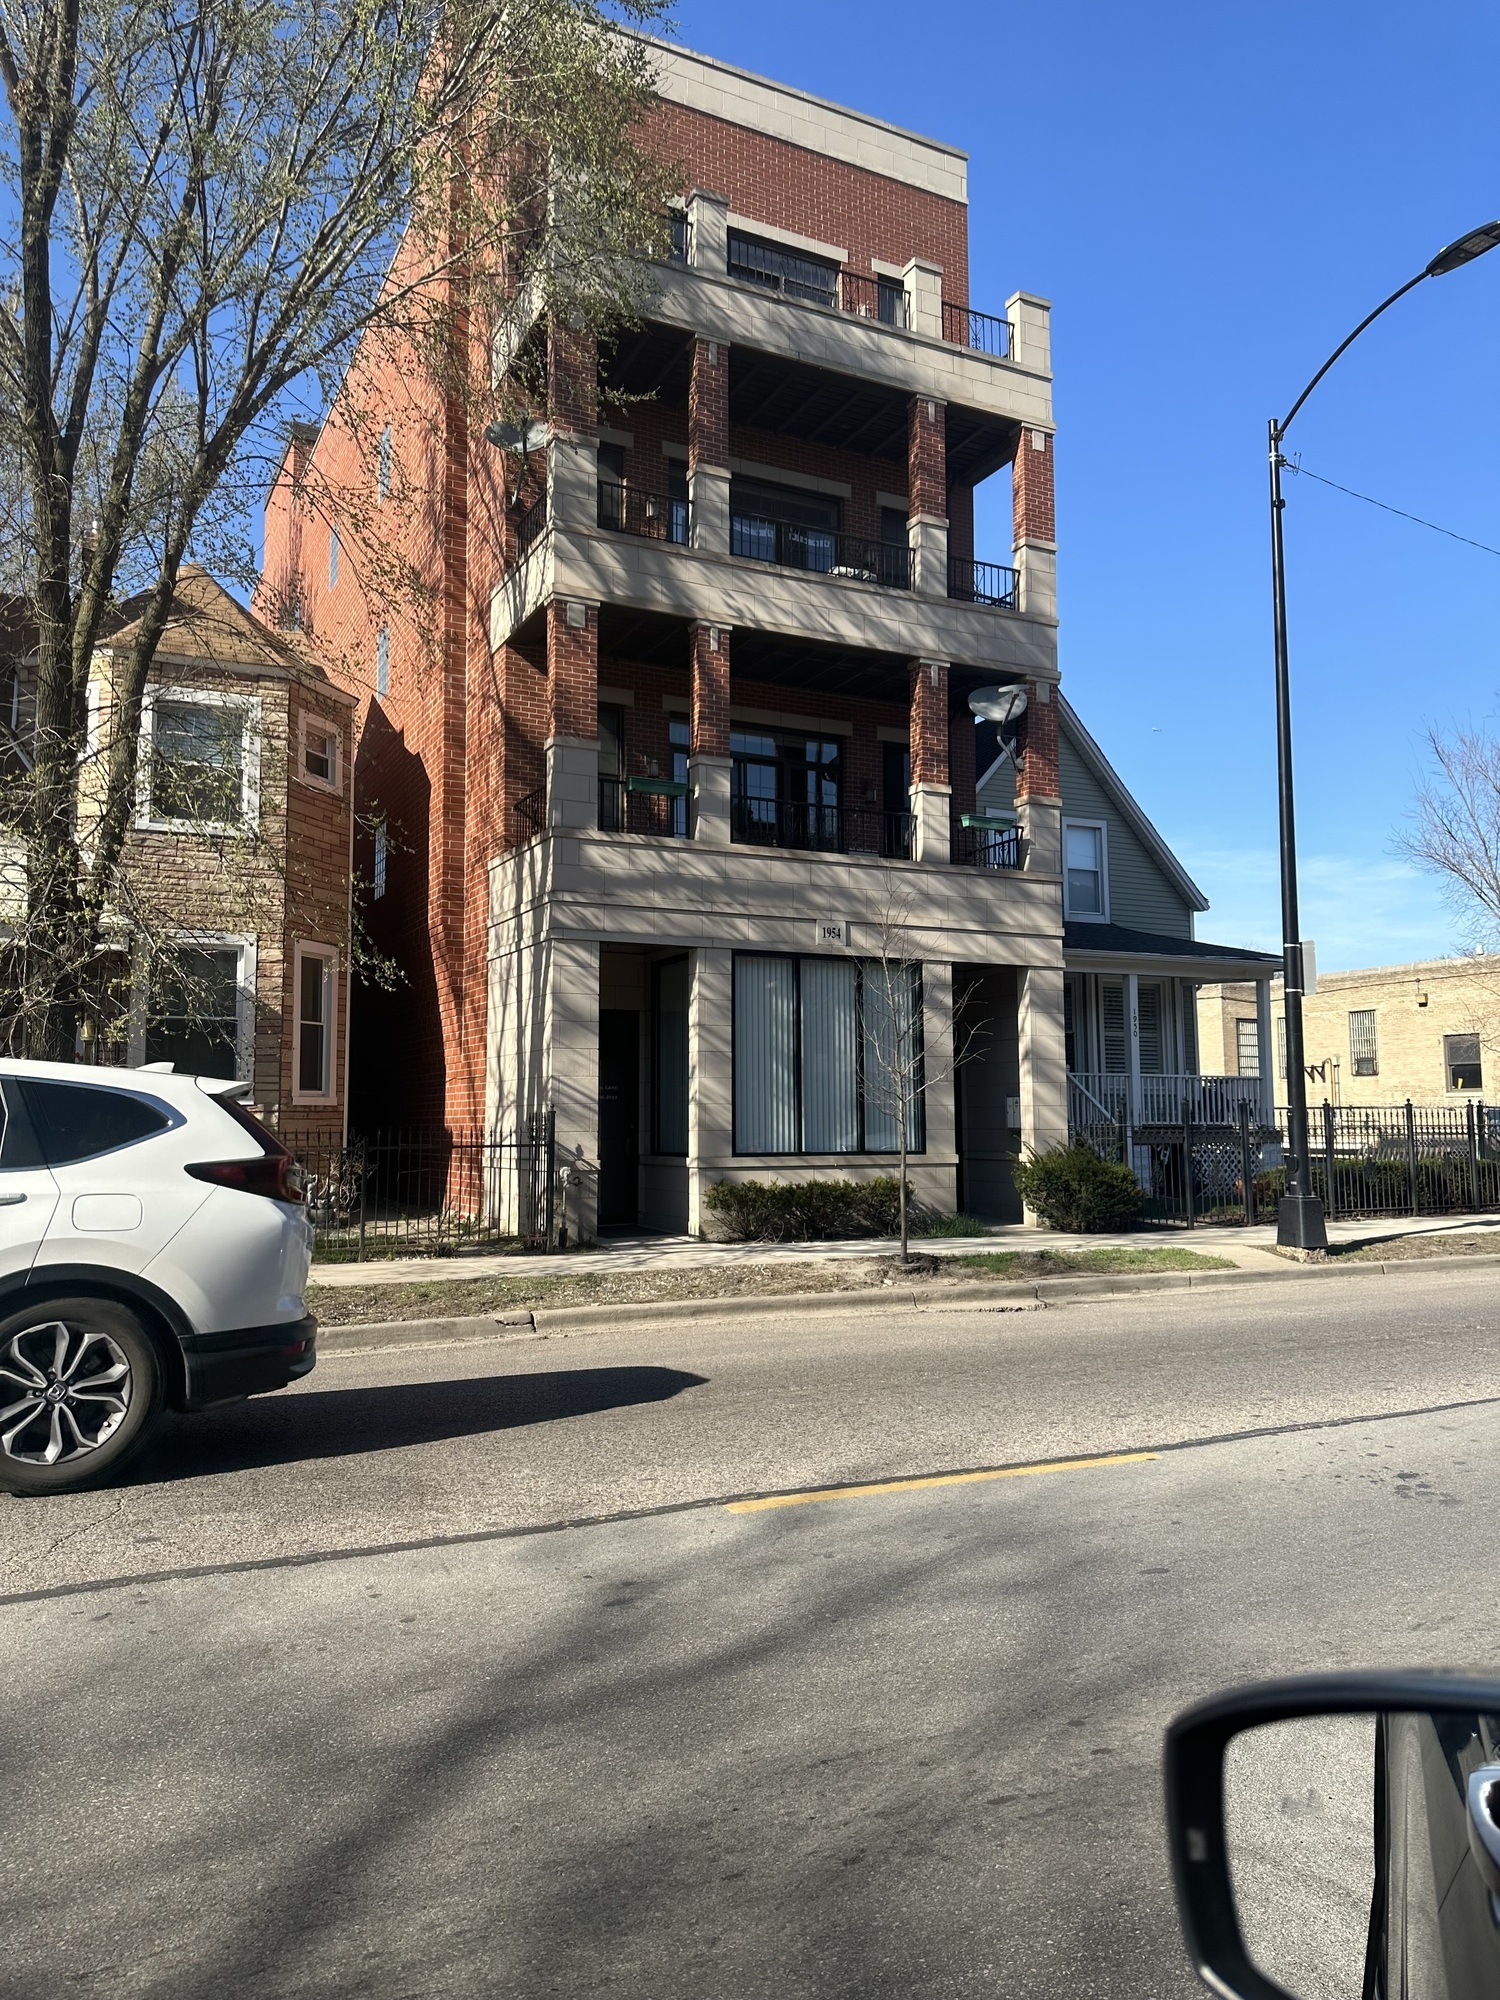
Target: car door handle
[{"x": 10, "y": 1200}]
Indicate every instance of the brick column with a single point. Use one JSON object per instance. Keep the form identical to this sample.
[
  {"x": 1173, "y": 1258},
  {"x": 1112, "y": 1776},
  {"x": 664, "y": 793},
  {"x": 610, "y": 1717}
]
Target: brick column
[
  {"x": 931, "y": 792},
  {"x": 927, "y": 490},
  {"x": 573, "y": 713},
  {"x": 1038, "y": 784},
  {"x": 1035, "y": 524},
  {"x": 708, "y": 759},
  {"x": 708, "y": 445}
]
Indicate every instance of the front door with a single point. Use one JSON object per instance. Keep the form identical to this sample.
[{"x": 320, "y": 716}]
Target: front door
[{"x": 619, "y": 1117}]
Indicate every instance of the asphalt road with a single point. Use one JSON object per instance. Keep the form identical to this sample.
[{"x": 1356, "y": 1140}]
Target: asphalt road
[{"x": 902, "y": 1743}]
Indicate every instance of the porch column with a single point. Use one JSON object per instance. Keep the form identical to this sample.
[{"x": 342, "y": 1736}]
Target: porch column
[
  {"x": 710, "y": 1077},
  {"x": 709, "y": 763},
  {"x": 1133, "y": 1042},
  {"x": 708, "y": 445},
  {"x": 1043, "y": 1062},
  {"x": 931, "y": 791},
  {"x": 571, "y": 1066},
  {"x": 1035, "y": 525},
  {"x": 572, "y": 749},
  {"x": 927, "y": 494},
  {"x": 1265, "y": 1043},
  {"x": 1038, "y": 783}
]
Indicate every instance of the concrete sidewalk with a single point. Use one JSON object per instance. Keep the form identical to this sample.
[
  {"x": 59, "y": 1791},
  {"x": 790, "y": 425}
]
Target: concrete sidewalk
[{"x": 1249, "y": 1249}]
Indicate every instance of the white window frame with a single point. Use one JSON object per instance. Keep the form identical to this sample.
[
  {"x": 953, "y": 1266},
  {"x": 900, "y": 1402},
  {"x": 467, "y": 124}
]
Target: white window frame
[
  {"x": 381, "y": 864},
  {"x": 1101, "y": 827},
  {"x": 303, "y": 950},
  {"x": 249, "y": 707},
  {"x": 247, "y": 945},
  {"x": 383, "y": 663},
  {"x": 333, "y": 556},
  {"x": 310, "y": 719},
  {"x": 384, "y": 454}
]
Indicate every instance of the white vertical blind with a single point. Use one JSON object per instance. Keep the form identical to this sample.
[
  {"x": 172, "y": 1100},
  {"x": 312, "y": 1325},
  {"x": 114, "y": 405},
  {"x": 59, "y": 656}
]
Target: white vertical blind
[
  {"x": 1153, "y": 1042},
  {"x": 1116, "y": 1056},
  {"x": 830, "y": 1076},
  {"x": 892, "y": 1053},
  {"x": 765, "y": 1055}
]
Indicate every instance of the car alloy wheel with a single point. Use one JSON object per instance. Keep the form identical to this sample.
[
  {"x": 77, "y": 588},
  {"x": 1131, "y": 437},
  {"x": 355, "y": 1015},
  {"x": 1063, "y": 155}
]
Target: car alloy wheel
[{"x": 64, "y": 1392}]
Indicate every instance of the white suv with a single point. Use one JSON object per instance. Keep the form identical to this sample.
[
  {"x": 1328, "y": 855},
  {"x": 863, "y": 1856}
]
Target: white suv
[{"x": 154, "y": 1247}]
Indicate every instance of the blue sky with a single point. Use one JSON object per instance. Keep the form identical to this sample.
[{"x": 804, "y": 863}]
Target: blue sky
[{"x": 1204, "y": 251}]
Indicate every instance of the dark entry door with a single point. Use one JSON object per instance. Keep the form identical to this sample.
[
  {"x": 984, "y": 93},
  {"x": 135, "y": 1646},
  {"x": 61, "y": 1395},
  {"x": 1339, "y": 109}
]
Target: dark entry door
[{"x": 619, "y": 1116}]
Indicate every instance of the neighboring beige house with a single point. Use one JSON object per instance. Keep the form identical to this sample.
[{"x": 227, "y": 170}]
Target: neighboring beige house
[
  {"x": 1379, "y": 1036},
  {"x": 233, "y": 916}
]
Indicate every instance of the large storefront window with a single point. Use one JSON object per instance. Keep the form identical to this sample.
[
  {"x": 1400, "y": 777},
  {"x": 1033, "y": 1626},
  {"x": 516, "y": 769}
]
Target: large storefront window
[
  {"x": 825, "y": 1049},
  {"x": 669, "y": 1034}
]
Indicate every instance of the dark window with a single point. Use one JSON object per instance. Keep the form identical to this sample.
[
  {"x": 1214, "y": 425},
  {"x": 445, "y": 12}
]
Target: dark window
[
  {"x": 79, "y": 1121},
  {"x": 18, "y": 1143},
  {"x": 612, "y": 463},
  {"x": 892, "y": 302},
  {"x": 1461, "y": 1061},
  {"x": 193, "y": 1021},
  {"x": 197, "y": 762},
  {"x": 894, "y": 531},
  {"x": 669, "y": 1039},
  {"x": 678, "y": 253},
  {"x": 790, "y": 272},
  {"x": 1363, "y": 1053}
]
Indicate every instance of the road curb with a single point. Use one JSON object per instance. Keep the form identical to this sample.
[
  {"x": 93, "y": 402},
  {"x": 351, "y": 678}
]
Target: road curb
[{"x": 1001, "y": 1294}]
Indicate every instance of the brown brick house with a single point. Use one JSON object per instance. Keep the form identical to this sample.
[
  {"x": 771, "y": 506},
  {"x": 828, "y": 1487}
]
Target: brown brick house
[{"x": 233, "y": 917}]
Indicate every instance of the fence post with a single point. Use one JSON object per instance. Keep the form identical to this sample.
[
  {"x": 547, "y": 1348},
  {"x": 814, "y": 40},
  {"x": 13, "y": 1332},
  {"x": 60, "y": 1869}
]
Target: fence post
[
  {"x": 549, "y": 1151},
  {"x": 1411, "y": 1155},
  {"x": 1473, "y": 1155},
  {"x": 1187, "y": 1157},
  {"x": 1247, "y": 1165},
  {"x": 1330, "y": 1199},
  {"x": 362, "y": 1176}
]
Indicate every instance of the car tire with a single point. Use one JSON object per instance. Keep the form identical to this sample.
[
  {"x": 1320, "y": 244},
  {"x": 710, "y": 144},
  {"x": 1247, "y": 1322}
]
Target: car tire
[{"x": 81, "y": 1389}]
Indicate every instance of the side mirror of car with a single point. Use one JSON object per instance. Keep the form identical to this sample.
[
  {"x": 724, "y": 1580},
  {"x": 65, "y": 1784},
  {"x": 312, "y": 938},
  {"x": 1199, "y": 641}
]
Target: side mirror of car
[{"x": 1339, "y": 1835}]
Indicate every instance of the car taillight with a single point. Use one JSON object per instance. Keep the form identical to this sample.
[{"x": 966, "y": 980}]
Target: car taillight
[{"x": 276, "y": 1175}]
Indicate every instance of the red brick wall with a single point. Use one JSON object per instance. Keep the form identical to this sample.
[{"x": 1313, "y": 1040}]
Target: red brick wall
[
  {"x": 927, "y": 456},
  {"x": 1031, "y": 489},
  {"x": 710, "y": 691},
  {"x": 770, "y": 180},
  {"x": 573, "y": 671},
  {"x": 708, "y": 405},
  {"x": 929, "y": 723},
  {"x": 572, "y": 379},
  {"x": 1038, "y": 776}
]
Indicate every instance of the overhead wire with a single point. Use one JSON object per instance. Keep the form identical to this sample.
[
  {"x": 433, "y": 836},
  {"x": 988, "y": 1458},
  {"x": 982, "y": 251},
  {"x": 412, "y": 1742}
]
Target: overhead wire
[{"x": 1293, "y": 465}]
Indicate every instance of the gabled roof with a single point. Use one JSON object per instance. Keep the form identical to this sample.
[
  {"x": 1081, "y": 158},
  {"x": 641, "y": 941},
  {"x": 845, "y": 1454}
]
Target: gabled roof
[{"x": 208, "y": 624}]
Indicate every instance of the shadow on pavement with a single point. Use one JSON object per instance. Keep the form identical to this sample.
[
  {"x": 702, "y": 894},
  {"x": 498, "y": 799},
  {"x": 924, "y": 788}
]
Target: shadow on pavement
[{"x": 333, "y": 1423}]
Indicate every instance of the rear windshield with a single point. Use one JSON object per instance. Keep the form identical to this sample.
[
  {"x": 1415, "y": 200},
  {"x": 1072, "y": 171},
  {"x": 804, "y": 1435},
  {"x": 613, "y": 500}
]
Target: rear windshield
[
  {"x": 79, "y": 1121},
  {"x": 264, "y": 1137}
]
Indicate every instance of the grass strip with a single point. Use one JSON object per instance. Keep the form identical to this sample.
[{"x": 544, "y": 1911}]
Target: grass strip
[
  {"x": 1409, "y": 1249},
  {"x": 1108, "y": 1257}
]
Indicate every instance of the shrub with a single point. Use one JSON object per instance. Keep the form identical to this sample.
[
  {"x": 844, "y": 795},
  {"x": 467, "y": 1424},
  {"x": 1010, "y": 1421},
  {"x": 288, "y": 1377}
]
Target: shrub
[
  {"x": 1070, "y": 1187},
  {"x": 805, "y": 1211}
]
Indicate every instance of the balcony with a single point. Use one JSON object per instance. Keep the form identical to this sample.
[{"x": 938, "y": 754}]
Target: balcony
[
  {"x": 655, "y": 517},
  {"x": 656, "y": 806},
  {"x": 1099, "y": 1098},
  {"x": 821, "y": 829},
  {"x": 972, "y": 582},
  {"x": 976, "y": 840},
  {"x": 821, "y": 551}
]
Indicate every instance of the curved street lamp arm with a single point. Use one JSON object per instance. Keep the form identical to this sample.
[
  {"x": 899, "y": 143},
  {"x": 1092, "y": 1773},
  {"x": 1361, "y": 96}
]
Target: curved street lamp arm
[{"x": 1411, "y": 283}]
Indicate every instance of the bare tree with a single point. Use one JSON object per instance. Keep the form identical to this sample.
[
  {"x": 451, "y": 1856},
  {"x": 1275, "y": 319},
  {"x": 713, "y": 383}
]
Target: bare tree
[
  {"x": 901, "y": 1067},
  {"x": 1454, "y": 833},
  {"x": 211, "y": 202}
]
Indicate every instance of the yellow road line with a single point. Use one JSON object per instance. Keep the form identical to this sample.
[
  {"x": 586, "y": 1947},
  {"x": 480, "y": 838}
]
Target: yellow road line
[{"x": 924, "y": 1483}]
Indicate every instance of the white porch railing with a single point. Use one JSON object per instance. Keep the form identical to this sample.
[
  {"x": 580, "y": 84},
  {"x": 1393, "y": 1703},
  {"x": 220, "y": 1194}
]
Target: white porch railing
[{"x": 1160, "y": 1100}]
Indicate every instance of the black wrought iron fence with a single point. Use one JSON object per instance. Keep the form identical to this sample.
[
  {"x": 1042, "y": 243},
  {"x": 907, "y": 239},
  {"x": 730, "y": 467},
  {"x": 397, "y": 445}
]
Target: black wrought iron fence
[
  {"x": 822, "y": 550},
  {"x": 430, "y": 1194},
  {"x": 971, "y": 582},
  {"x": 655, "y": 517},
  {"x": 529, "y": 528},
  {"x": 1365, "y": 1161},
  {"x": 967, "y": 328}
]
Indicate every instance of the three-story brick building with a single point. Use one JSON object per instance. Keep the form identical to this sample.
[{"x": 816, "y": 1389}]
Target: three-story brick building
[{"x": 684, "y": 742}]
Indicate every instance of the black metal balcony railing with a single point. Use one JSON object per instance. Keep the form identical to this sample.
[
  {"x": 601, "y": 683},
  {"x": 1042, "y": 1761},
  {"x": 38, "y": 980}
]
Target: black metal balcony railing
[
  {"x": 981, "y": 582},
  {"x": 677, "y": 222},
  {"x": 966, "y": 328},
  {"x": 881, "y": 299},
  {"x": 823, "y": 829},
  {"x": 984, "y": 846},
  {"x": 790, "y": 276},
  {"x": 820, "y": 550},
  {"x": 654, "y": 516},
  {"x": 529, "y": 528},
  {"x": 623, "y": 808},
  {"x": 529, "y": 814}
]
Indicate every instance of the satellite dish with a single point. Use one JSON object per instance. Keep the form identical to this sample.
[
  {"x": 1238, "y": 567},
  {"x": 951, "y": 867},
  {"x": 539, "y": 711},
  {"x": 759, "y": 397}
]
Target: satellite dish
[
  {"x": 527, "y": 437},
  {"x": 999, "y": 704}
]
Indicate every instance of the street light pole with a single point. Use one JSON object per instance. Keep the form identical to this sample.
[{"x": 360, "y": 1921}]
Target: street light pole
[{"x": 1300, "y": 1220}]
